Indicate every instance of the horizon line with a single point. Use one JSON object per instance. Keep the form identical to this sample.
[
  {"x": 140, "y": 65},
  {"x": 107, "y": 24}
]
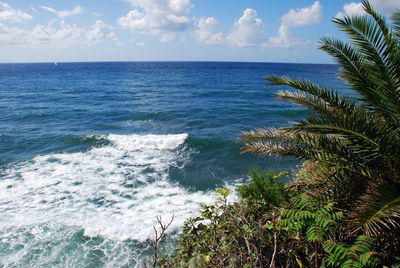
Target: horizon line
[{"x": 166, "y": 61}]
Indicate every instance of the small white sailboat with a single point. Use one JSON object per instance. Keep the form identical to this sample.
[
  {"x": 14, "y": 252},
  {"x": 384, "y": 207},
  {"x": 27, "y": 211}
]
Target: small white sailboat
[{"x": 55, "y": 63}]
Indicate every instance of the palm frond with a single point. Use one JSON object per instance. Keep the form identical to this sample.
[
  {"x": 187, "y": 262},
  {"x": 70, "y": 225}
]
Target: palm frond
[
  {"x": 303, "y": 145},
  {"x": 310, "y": 94},
  {"x": 355, "y": 142},
  {"x": 336, "y": 185},
  {"x": 373, "y": 39},
  {"x": 370, "y": 41},
  {"x": 379, "y": 209},
  {"x": 396, "y": 23},
  {"x": 336, "y": 112},
  {"x": 352, "y": 66}
]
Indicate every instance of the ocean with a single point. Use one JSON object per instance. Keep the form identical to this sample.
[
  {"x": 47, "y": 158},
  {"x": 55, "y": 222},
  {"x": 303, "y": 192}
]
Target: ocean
[{"x": 92, "y": 153}]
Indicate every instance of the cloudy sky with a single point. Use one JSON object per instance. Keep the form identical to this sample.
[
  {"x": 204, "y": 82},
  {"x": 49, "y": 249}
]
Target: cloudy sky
[{"x": 171, "y": 30}]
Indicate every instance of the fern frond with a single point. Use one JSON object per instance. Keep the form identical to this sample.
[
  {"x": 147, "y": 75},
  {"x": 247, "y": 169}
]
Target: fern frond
[{"x": 357, "y": 255}]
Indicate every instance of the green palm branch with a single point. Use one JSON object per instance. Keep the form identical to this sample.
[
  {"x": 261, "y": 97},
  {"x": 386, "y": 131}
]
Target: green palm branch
[
  {"x": 357, "y": 138},
  {"x": 379, "y": 209}
]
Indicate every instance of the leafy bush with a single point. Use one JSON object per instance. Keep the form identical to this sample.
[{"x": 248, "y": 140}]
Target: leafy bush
[
  {"x": 265, "y": 189},
  {"x": 298, "y": 232},
  {"x": 357, "y": 255},
  {"x": 231, "y": 235}
]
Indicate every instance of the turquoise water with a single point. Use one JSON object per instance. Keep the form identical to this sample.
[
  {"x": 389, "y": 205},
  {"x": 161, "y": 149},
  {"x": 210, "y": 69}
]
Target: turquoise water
[{"x": 91, "y": 153}]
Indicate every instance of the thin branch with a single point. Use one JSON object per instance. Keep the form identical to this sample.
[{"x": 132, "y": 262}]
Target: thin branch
[
  {"x": 272, "y": 265},
  {"x": 157, "y": 239}
]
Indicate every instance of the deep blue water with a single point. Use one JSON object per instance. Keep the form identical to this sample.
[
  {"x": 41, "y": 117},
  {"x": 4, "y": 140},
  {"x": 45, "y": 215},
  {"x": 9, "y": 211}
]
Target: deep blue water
[{"x": 91, "y": 153}]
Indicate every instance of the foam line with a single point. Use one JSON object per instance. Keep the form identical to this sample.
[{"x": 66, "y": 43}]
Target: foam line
[{"x": 115, "y": 191}]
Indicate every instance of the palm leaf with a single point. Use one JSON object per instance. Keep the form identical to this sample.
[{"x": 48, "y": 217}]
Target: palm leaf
[
  {"x": 379, "y": 209},
  {"x": 356, "y": 142},
  {"x": 379, "y": 51}
]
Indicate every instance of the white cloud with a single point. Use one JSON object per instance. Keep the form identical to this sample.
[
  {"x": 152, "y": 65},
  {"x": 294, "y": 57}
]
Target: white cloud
[
  {"x": 99, "y": 32},
  {"x": 8, "y": 14},
  {"x": 11, "y": 35},
  {"x": 350, "y": 9},
  {"x": 295, "y": 18},
  {"x": 205, "y": 33},
  {"x": 96, "y": 14},
  {"x": 387, "y": 7},
  {"x": 284, "y": 39},
  {"x": 248, "y": 30},
  {"x": 62, "y": 14},
  {"x": 303, "y": 16},
  {"x": 158, "y": 17},
  {"x": 50, "y": 36}
]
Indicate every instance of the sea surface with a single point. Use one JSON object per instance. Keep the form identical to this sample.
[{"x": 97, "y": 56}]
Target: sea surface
[{"x": 92, "y": 153}]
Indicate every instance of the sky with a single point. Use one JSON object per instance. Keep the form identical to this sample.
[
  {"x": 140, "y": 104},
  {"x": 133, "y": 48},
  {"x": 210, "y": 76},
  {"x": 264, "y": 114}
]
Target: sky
[{"x": 172, "y": 30}]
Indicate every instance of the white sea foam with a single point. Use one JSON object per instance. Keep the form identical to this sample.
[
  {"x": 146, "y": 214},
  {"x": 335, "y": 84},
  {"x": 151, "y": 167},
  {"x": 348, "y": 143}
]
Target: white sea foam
[
  {"x": 54, "y": 245},
  {"x": 137, "y": 123},
  {"x": 115, "y": 191}
]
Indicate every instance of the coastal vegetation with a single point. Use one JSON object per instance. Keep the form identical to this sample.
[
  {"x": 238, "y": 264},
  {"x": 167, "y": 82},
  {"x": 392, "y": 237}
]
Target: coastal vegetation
[{"x": 341, "y": 207}]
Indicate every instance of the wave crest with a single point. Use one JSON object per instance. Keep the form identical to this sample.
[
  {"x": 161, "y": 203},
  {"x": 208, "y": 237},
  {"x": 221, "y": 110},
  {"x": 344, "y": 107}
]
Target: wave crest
[{"x": 113, "y": 191}]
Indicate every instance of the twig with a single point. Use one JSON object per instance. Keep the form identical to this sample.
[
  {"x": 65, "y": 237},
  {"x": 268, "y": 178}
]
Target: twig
[
  {"x": 275, "y": 245},
  {"x": 273, "y": 255},
  {"x": 158, "y": 237}
]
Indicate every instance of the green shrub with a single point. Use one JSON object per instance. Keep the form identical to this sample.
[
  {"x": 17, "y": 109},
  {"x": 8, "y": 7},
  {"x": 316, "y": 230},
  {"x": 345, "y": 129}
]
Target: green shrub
[
  {"x": 264, "y": 188},
  {"x": 224, "y": 235},
  {"x": 300, "y": 231},
  {"x": 359, "y": 254}
]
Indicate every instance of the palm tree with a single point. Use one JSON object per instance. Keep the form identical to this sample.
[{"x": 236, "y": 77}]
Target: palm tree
[{"x": 355, "y": 142}]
